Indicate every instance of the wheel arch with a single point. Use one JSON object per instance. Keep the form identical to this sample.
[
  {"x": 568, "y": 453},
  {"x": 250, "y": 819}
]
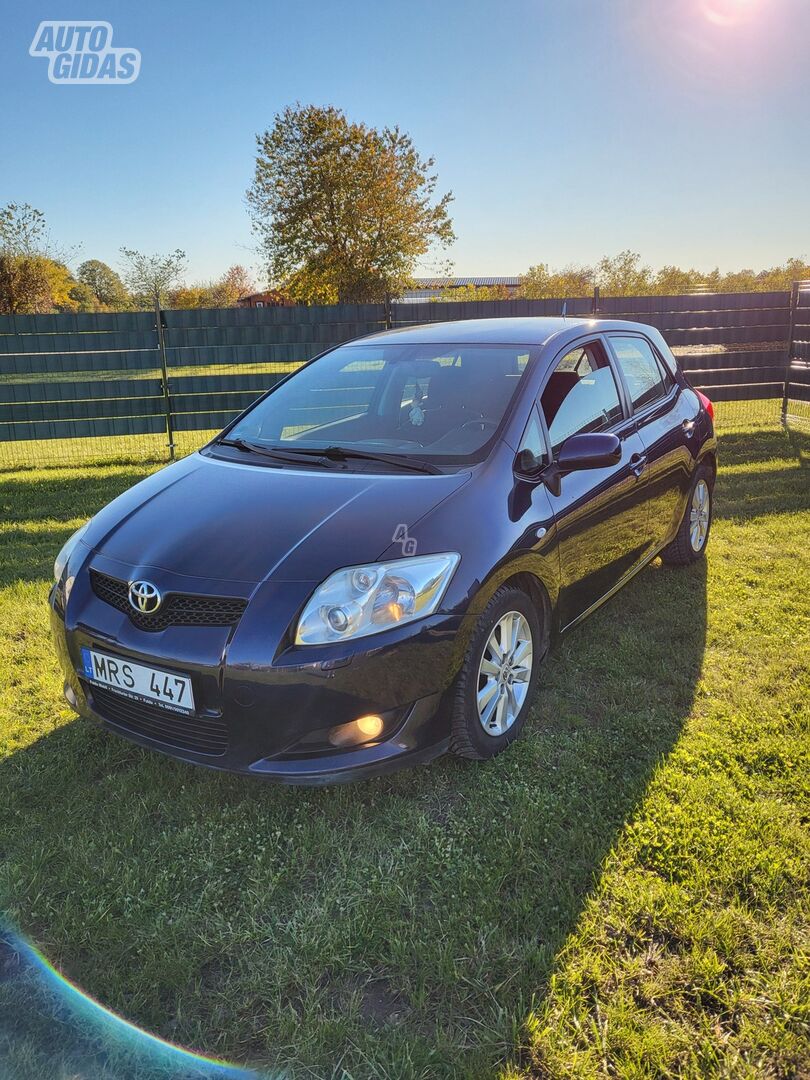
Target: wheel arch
[
  {"x": 541, "y": 591},
  {"x": 709, "y": 459}
]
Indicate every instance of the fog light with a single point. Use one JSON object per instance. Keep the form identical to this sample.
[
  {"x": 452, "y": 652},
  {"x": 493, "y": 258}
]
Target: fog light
[{"x": 358, "y": 731}]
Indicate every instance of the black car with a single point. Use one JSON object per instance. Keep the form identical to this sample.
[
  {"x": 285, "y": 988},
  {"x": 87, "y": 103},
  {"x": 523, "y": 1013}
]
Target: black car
[{"x": 366, "y": 568}]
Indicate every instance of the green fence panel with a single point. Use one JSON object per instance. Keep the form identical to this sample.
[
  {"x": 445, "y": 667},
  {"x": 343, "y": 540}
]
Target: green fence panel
[
  {"x": 774, "y": 358},
  {"x": 70, "y": 343},
  {"x": 79, "y": 322},
  {"x": 213, "y": 384},
  {"x": 77, "y": 391},
  {"x": 49, "y": 364},
  {"x": 99, "y": 408},
  {"x": 236, "y": 402},
  {"x": 83, "y": 429}
]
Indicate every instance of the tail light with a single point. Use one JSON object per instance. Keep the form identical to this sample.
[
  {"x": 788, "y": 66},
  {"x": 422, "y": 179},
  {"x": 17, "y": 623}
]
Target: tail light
[{"x": 707, "y": 405}]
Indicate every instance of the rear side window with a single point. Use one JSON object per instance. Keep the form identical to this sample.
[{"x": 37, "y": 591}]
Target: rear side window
[
  {"x": 647, "y": 378},
  {"x": 580, "y": 395}
]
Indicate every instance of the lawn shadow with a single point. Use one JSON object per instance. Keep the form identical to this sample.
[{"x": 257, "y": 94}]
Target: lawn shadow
[
  {"x": 266, "y": 924},
  {"x": 401, "y": 927}
]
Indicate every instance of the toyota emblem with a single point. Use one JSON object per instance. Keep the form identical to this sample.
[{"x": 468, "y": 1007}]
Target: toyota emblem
[{"x": 144, "y": 597}]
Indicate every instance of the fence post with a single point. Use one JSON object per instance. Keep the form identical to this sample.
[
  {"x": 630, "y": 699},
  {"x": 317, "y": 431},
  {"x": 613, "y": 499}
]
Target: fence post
[
  {"x": 167, "y": 404},
  {"x": 595, "y": 301},
  {"x": 389, "y": 323},
  {"x": 794, "y": 303}
]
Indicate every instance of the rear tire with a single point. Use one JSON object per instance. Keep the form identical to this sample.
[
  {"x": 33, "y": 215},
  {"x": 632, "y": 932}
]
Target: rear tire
[
  {"x": 498, "y": 678},
  {"x": 692, "y": 537}
]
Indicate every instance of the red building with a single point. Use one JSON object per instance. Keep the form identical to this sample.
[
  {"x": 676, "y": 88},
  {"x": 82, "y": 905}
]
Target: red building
[{"x": 268, "y": 298}]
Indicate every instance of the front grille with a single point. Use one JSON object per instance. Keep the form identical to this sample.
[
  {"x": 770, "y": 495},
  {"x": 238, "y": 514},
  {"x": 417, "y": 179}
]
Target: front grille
[
  {"x": 199, "y": 734},
  {"x": 177, "y": 609}
]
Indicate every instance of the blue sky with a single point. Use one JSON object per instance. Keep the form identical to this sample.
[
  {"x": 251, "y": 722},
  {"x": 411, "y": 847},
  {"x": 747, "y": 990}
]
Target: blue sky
[{"x": 566, "y": 129}]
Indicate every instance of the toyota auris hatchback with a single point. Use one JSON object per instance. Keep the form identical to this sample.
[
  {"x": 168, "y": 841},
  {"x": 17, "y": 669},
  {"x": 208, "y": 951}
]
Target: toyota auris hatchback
[{"x": 367, "y": 567}]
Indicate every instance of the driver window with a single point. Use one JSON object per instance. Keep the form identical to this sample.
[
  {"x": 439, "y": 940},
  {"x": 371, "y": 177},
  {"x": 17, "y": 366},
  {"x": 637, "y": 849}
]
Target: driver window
[{"x": 581, "y": 395}]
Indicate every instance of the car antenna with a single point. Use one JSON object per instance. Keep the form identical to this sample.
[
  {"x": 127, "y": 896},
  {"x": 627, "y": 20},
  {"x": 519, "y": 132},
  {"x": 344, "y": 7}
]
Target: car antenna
[{"x": 564, "y": 308}]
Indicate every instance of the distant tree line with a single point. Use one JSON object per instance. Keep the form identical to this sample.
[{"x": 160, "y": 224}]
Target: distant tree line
[
  {"x": 35, "y": 277},
  {"x": 626, "y": 275}
]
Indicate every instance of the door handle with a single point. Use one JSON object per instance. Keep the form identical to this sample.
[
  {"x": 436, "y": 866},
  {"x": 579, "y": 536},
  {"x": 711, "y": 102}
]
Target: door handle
[
  {"x": 688, "y": 427},
  {"x": 638, "y": 463}
]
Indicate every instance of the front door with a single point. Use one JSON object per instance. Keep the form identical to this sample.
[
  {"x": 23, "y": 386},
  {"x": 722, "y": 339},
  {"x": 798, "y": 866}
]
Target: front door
[{"x": 603, "y": 524}]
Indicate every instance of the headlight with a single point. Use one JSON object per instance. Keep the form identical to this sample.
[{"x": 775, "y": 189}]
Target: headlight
[
  {"x": 62, "y": 558},
  {"x": 363, "y": 600}
]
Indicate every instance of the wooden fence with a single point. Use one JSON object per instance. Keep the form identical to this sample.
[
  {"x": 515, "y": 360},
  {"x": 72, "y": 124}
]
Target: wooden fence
[{"x": 105, "y": 384}]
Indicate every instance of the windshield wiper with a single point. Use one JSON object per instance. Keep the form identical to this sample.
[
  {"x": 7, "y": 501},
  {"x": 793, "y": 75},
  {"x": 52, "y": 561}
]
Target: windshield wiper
[
  {"x": 291, "y": 458},
  {"x": 341, "y": 453},
  {"x": 293, "y": 455}
]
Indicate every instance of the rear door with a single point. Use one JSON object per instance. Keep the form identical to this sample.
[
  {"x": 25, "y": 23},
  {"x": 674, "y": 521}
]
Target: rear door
[
  {"x": 603, "y": 525},
  {"x": 665, "y": 414}
]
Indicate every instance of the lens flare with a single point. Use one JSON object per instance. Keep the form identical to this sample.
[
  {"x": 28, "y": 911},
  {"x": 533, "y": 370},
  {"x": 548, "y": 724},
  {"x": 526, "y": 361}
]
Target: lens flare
[
  {"x": 82, "y": 1015},
  {"x": 727, "y": 12}
]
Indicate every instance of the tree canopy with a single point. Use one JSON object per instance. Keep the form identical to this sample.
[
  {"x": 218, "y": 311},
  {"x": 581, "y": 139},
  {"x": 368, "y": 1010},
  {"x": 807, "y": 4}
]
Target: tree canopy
[
  {"x": 626, "y": 275},
  {"x": 105, "y": 287},
  {"x": 150, "y": 277},
  {"x": 343, "y": 210}
]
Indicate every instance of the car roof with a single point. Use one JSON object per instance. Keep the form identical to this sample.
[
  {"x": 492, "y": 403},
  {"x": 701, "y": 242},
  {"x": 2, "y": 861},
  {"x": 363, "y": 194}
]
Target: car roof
[{"x": 529, "y": 330}]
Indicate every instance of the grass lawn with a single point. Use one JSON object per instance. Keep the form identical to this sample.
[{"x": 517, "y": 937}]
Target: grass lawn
[{"x": 623, "y": 893}]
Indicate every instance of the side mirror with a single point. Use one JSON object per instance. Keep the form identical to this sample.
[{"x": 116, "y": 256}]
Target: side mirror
[
  {"x": 528, "y": 465},
  {"x": 595, "y": 451}
]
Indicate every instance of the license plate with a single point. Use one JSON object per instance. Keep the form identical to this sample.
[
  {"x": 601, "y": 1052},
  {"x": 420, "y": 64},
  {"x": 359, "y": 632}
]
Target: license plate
[{"x": 139, "y": 682}]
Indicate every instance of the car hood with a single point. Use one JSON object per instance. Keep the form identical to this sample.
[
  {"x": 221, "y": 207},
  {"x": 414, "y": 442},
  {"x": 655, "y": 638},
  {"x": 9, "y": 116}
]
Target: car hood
[{"x": 209, "y": 518}]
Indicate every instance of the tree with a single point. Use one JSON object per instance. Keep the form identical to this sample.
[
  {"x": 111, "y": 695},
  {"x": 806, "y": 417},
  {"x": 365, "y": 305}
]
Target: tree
[
  {"x": 343, "y": 210},
  {"x": 22, "y": 230},
  {"x": 623, "y": 275},
  {"x": 671, "y": 281},
  {"x": 149, "y": 277},
  {"x": 540, "y": 284},
  {"x": 82, "y": 298},
  {"x": 224, "y": 292},
  {"x": 25, "y": 284},
  {"x": 105, "y": 285},
  {"x": 33, "y": 278},
  {"x": 235, "y": 282}
]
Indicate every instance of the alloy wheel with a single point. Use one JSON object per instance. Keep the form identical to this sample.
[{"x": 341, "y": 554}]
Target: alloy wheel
[
  {"x": 699, "y": 515},
  {"x": 504, "y": 673}
]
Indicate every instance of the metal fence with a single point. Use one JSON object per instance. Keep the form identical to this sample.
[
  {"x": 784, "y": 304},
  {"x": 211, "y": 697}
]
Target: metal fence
[
  {"x": 796, "y": 395},
  {"x": 143, "y": 385}
]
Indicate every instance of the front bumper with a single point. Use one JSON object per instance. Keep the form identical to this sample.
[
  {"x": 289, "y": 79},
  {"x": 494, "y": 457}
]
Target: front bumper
[{"x": 265, "y": 719}]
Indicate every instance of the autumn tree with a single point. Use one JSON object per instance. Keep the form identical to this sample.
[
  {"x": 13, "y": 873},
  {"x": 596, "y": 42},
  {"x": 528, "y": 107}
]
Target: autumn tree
[
  {"x": 237, "y": 281},
  {"x": 623, "y": 275},
  {"x": 150, "y": 277},
  {"x": 540, "y": 283},
  {"x": 343, "y": 210},
  {"x": 223, "y": 292}
]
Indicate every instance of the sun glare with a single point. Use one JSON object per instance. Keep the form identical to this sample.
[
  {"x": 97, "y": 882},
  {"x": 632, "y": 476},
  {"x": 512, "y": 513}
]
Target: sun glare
[{"x": 727, "y": 12}]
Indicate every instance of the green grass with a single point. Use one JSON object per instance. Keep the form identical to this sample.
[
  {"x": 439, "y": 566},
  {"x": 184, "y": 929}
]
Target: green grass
[{"x": 621, "y": 894}]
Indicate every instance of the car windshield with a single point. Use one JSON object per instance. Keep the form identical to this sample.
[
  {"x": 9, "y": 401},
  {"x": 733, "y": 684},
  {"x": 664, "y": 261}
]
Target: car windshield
[{"x": 438, "y": 403}]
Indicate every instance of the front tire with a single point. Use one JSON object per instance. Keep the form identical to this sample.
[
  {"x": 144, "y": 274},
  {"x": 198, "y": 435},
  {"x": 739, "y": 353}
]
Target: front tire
[
  {"x": 692, "y": 537},
  {"x": 499, "y": 676}
]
